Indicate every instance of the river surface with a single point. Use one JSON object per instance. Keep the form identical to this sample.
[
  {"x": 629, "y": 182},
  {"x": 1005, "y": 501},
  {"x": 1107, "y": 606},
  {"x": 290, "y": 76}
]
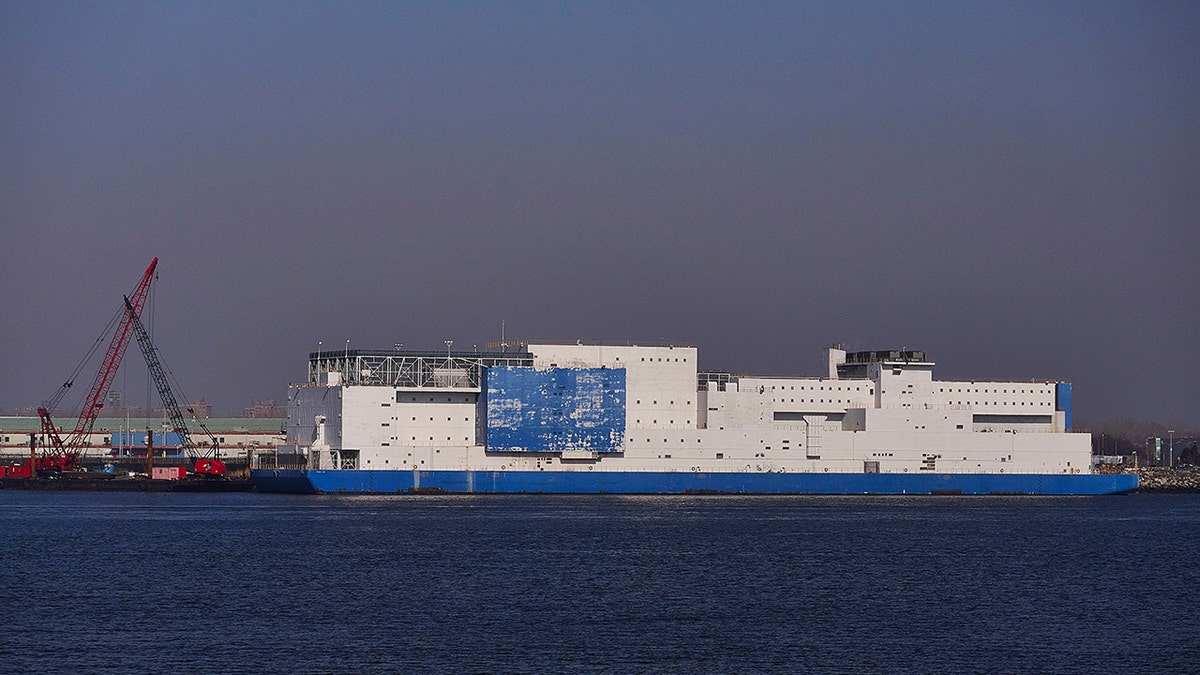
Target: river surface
[{"x": 136, "y": 583}]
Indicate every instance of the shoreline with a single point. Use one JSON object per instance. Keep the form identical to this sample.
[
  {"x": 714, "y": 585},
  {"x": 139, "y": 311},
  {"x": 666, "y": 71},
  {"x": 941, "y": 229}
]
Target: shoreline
[{"x": 1163, "y": 480}]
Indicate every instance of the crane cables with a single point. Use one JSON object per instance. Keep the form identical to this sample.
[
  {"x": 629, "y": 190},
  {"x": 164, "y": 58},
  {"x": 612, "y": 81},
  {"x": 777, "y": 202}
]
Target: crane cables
[{"x": 105, "y": 335}]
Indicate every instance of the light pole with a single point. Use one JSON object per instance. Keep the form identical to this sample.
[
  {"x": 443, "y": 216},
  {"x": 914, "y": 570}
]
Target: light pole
[{"x": 448, "y": 343}]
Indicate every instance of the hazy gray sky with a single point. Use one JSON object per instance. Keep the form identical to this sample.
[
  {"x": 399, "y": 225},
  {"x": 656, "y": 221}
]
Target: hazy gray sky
[{"x": 1012, "y": 187}]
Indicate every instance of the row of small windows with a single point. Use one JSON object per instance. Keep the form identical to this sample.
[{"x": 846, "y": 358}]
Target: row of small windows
[
  {"x": 785, "y": 446},
  {"x": 659, "y": 358},
  {"x": 449, "y": 399},
  {"x": 802, "y": 387},
  {"x": 639, "y": 402},
  {"x": 1013, "y": 403},
  {"x": 998, "y": 391}
]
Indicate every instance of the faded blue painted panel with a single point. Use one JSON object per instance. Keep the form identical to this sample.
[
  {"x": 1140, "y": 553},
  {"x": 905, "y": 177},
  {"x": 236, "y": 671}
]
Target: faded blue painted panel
[
  {"x": 137, "y": 439},
  {"x": 1062, "y": 400},
  {"x": 554, "y": 410}
]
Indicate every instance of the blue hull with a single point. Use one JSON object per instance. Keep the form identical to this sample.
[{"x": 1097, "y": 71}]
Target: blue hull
[{"x": 391, "y": 482}]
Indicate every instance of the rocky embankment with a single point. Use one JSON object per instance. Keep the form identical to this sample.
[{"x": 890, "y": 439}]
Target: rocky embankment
[{"x": 1161, "y": 479}]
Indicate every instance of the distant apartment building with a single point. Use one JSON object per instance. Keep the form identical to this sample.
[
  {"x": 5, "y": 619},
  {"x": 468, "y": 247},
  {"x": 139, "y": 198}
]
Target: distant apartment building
[
  {"x": 194, "y": 410},
  {"x": 201, "y": 409},
  {"x": 268, "y": 408}
]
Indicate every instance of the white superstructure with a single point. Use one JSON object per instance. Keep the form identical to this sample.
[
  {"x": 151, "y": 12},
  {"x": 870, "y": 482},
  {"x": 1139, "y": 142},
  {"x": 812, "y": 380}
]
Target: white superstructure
[{"x": 872, "y": 412}]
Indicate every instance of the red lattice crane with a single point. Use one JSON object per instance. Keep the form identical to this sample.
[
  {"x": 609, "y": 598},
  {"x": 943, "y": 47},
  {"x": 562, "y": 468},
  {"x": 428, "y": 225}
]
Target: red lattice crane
[{"x": 63, "y": 454}]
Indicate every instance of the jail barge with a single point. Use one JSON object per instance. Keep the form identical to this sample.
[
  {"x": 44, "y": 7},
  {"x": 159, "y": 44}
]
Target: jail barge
[{"x": 630, "y": 419}]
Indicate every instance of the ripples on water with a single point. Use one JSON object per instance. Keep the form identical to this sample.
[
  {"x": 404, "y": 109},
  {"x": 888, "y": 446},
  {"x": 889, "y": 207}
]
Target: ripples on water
[{"x": 264, "y": 583}]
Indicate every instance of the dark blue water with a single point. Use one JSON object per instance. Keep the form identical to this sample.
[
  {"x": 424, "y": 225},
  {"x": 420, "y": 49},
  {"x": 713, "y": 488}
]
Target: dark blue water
[{"x": 133, "y": 583}]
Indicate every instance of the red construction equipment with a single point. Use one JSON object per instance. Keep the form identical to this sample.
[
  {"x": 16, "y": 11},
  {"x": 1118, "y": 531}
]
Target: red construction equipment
[{"x": 63, "y": 455}]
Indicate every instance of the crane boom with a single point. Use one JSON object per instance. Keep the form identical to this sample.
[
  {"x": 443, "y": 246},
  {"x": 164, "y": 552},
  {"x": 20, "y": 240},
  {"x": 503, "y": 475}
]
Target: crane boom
[
  {"x": 112, "y": 358},
  {"x": 170, "y": 404},
  {"x": 64, "y": 454}
]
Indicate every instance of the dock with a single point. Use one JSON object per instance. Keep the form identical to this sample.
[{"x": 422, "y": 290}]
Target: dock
[{"x": 96, "y": 483}]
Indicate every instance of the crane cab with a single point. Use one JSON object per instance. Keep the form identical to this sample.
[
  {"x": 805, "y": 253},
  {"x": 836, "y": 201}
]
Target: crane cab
[{"x": 209, "y": 468}]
